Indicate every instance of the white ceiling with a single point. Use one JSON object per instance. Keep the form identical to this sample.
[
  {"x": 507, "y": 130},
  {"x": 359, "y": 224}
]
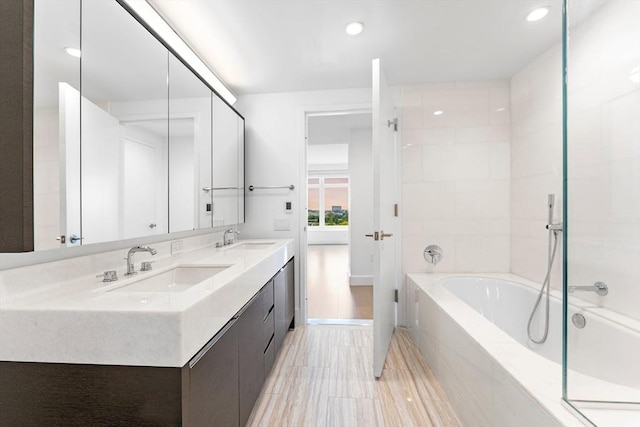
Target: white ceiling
[{"x": 259, "y": 46}]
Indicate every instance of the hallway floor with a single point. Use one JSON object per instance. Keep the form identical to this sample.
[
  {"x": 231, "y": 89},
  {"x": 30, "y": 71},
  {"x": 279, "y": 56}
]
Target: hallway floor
[
  {"x": 323, "y": 377},
  {"x": 329, "y": 295}
]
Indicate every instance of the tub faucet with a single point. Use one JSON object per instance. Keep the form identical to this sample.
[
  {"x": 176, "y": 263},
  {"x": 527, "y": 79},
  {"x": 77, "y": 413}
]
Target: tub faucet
[
  {"x": 599, "y": 288},
  {"x": 226, "y": 241},
  {"x": 130, "y": 266}
]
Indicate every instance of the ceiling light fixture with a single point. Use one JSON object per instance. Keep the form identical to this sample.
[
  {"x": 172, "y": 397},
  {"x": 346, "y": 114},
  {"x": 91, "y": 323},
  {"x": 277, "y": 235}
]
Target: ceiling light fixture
[
  {"x": 537, "y": 14},
  {"x": 73, "y": 51},
  {"x": 170, "y": 37},
  {"x": 438, "y": 113},
  {"x": 354, "y": 28}
]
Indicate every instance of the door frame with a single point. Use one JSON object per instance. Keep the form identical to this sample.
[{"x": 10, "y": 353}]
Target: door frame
[{"x": 304, "y": 114}]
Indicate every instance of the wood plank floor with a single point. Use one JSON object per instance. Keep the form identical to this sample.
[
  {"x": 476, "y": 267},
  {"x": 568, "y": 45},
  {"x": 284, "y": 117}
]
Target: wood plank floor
[
  {"x": 323, "y": 377},
  {"x": 329, "y": 295}
]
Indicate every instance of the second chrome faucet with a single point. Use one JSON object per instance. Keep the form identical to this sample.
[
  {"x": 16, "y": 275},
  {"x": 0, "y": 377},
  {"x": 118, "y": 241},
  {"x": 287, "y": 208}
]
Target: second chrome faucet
[
  {"x": 226, "y": 241},
  {"x": 130, "y": 265}
]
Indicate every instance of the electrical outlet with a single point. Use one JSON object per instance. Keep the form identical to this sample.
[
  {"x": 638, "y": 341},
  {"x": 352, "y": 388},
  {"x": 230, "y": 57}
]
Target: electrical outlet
[{"x": 176, "y": 247}]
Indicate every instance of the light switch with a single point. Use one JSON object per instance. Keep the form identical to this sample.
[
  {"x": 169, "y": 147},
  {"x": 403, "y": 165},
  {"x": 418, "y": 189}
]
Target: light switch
[{"x": 288, "y": 207}]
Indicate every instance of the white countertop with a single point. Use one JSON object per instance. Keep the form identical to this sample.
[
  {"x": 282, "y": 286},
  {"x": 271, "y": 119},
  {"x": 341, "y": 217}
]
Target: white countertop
[{"x": 83, "y": 321}]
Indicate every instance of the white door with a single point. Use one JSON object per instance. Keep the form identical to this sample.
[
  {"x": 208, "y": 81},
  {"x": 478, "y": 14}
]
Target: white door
[
  {"x": 139, "y": 189},
  {"x": 384, "y": 221},
  {"x": 69, "y": 131}
]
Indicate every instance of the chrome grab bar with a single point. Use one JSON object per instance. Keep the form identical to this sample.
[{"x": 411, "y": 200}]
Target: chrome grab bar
[
  {"x": 272, "y": 187},
  {"x": 599, "y": 288}
]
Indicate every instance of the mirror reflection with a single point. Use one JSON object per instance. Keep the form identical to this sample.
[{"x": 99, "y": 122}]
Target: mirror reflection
[
  {"x": 56, "y": 142},
  {"x": 139, "y": 146},
  {"x": 124, "y": 128},
  {"x": 225, "y": 164},
  {"x": 190, "y": 200}
]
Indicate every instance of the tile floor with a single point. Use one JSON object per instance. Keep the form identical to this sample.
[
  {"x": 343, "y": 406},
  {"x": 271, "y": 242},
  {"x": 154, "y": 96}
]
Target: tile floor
[
  {"x": 323, "y": 377},
  {"x": 329, "y": 295}
]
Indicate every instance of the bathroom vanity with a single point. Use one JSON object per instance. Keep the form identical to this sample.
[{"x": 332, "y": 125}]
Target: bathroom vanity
[{"x": 188, "y": 343}]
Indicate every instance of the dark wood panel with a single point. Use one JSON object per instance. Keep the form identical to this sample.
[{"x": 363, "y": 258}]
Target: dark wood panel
[
  {"x": 290, "y": 292},
  {"x": 51, "y": 394},
  {"x": 267, "y": 299},
  {"x": 267, "y": 330},
  {"x": 250, "y": 356},
  {"x": 280, "y": 310},
  {"x": 269, "y": 358},
  {"x": 213, "y": 384},
  {"x": 16, "y": 123}
]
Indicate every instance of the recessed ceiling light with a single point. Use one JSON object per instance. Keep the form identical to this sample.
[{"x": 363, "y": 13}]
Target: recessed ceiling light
[
  {"x": 73, "y": 51},
  {"x": 500, "y": 109},
  {"x": 354, "y": 28},
  {"x": 537, "y": 14},
  {"x": 438, "y": 113}
]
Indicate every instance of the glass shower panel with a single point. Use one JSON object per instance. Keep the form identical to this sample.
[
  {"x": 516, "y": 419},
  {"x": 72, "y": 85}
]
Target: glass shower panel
[{"x": 602, "y": 215}]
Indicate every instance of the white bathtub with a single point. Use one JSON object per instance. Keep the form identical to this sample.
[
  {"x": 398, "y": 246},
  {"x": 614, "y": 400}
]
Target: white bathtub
[{"x": 472, "y": 332}]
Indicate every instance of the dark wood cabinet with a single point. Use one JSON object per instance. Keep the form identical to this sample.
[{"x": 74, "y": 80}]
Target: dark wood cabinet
[
  {"x": 212, "y": 376},
  {"x": 251, "y": 356},
  {"x": 283, "y": 285},
  {"x": 218, "y": 387}
]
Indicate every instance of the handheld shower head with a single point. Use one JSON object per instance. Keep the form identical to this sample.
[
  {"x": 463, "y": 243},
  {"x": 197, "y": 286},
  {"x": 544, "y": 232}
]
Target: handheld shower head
[{"x": 551, "y": 201}]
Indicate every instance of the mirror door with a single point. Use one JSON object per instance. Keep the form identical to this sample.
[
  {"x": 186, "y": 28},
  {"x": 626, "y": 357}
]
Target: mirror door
[
  {"x": 384, "y": 222},
  {"x": 124, "y": 128},
  {"x": 190, "y": 129}
]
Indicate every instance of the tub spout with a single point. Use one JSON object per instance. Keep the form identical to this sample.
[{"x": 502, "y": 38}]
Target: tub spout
[{"x": 599, "y": 288}]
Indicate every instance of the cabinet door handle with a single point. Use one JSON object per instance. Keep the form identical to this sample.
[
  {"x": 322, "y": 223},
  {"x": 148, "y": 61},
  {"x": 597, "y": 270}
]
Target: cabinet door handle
[{"x": 212, "y": 342}]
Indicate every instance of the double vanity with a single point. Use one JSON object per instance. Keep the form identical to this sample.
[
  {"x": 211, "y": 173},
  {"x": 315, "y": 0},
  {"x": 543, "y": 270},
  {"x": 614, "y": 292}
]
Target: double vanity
[{"x": 190, "y": 341}]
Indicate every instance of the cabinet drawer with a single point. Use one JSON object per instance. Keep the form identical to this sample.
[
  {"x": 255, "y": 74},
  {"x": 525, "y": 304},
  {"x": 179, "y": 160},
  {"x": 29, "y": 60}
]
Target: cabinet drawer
[
  {"x": 267, "y": 329},
  {"x": 267, "y": 299},
  {"x": 269, "y": 357}
]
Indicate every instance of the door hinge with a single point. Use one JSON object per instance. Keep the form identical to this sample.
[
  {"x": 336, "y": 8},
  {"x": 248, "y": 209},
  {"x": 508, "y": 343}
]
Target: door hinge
[
  {"x": 395, "y": 295},
  {"x": 395, "y": 210},
  {"x": 394, "y": 123}
]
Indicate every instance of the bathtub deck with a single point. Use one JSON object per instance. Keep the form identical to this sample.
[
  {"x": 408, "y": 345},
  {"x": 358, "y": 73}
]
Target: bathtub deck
[{"x": 323, "y": 377}]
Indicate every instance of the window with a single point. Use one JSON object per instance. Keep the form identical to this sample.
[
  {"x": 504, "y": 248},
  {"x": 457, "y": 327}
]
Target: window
[{"x": 328, "y": 201}]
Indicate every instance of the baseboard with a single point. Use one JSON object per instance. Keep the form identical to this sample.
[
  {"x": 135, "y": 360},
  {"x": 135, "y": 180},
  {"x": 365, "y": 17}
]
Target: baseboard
[{"x": 360, "y": 280}]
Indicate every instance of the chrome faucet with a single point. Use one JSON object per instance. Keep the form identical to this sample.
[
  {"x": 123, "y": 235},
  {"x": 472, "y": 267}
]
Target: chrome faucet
[
  {"x": 599, "y": 288},
  {"x": 224, "y": 237},
  {"x": 130, "y": 267}
]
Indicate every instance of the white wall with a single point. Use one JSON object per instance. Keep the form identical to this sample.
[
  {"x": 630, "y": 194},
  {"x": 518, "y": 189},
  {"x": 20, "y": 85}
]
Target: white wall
[
  {"x": 456, "y": 176},
  {"x": 46, "y": 179},
  {"x": 536, "y": 163},
  {"x": 603, "y": 158},
  {"x": 182, "y": 215},
  {"x": 275, "y": 151},
  {"x": 360, "y": 207},
  {"x": 323, "y": 157}
]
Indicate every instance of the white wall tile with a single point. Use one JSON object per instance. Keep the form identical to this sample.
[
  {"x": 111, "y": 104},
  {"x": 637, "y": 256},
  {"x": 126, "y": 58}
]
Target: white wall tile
[
  {"x": 463, "y": 196},
  {"x": 603, "y": 156}
]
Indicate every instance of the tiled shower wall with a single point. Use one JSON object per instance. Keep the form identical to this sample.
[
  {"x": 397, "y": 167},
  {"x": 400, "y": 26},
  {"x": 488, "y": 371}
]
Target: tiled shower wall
[
  {"x": 536, "y": 165},
  {"x": 476, "y": 178},
  {"x": 604, "y": 155},
  {"x": 456, "y": 176}
]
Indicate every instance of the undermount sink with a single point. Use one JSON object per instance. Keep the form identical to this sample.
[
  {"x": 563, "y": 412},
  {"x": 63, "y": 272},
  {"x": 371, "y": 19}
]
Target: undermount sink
[
  {"x": 177, "y": 279},
  {"x": 252, "y": 246}
]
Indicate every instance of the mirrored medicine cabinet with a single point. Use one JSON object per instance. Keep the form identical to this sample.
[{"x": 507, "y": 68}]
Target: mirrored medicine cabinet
[{"x": 128, "y": 141}]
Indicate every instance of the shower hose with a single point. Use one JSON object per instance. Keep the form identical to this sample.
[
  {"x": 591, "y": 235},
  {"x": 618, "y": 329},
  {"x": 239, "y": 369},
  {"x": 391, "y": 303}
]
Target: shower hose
[{"x": 545, "y": 285}]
